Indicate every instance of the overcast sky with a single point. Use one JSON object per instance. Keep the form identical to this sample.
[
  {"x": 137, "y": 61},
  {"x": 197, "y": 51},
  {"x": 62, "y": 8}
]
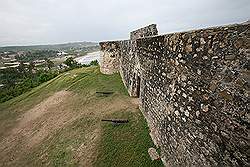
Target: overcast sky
[{"x": 25, "y": 22}]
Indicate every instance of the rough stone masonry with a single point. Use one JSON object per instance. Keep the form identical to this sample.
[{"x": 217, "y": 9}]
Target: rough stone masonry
[{"x": 193, "y": 88}]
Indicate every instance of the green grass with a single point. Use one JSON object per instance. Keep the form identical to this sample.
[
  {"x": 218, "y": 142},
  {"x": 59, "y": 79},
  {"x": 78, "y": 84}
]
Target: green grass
[
  {"x": 124, "y": 145},
  {"x": 57, "y": 150},
  {"x": 85, "y": 82},
  {"x": 127, "y": 144}
]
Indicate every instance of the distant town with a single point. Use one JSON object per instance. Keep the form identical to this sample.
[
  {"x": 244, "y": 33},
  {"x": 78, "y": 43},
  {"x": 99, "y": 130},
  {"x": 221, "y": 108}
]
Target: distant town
[
  {"x": 39, "y": 54},
  {"x": 24, "y": 67}
]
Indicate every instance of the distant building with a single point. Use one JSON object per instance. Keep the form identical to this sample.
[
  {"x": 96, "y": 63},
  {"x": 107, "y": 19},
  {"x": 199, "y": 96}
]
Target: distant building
[{"x": 62, "y": 53}]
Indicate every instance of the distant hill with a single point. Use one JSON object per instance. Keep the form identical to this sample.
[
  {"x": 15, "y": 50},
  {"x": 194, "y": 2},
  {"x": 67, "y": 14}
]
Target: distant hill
[{"x": 63, "y": 46}]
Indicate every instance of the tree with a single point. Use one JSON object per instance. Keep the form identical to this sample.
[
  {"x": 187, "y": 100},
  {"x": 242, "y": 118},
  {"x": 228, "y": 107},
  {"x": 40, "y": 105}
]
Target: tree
[
  {"x": 31, "y": 66},
  {"x": 21, "y": 67},
  {"x": 71, "y": 62},
  {"x": 94, "y": 63},
  {"x": 49, "y": 63}
]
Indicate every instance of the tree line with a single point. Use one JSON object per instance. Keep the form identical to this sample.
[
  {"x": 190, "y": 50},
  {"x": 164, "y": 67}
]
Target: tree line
[{"x": 17, "y": 81}]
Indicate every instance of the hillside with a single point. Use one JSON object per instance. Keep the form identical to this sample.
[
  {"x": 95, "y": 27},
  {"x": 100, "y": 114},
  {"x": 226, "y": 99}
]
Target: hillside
[
  {"x": 59, "y": 124},
  {"x": 64, "y": 46}
]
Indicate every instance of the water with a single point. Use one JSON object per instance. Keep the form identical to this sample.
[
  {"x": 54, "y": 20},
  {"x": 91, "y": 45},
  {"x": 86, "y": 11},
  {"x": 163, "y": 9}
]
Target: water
[{"x": 89, "y": 57}]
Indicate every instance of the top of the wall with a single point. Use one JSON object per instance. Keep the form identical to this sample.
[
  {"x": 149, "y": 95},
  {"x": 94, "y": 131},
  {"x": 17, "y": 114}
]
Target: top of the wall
[
  {"x": 224, "y": 27},
  {"x": 105, "y": 43},
  {"x": 151, "y": 31},
  {"x": 147, "y": 31}
]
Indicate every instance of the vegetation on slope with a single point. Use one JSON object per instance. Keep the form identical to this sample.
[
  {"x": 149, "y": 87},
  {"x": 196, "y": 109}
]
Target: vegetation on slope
[
  {"x": 17, "y": 82},
  {"x": 71, "y": 133}
]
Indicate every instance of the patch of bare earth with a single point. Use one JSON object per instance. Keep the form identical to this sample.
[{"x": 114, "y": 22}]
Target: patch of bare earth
[
  {"x": 54, "y": 113},
  {"x": 35, "y": 125}
]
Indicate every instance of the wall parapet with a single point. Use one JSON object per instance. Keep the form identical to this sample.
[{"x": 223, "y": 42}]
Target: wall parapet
[
  {"x": 109, "y": 60},
  {"x": 194, "y": 92},
  {"x": 147, "y": 31}
]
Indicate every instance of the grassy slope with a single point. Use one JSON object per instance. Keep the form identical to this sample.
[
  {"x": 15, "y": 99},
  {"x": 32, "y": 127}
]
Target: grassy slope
[{"x": 124, "y": 145}]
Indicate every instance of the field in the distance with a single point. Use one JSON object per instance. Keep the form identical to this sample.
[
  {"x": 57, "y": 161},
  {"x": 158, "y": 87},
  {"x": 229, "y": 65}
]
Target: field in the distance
[{"x": 59, "y": 124}]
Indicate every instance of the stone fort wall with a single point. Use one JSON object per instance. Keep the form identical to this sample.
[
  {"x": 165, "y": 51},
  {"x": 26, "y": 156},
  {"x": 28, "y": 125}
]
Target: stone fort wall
[{"x": 193, "y": 88}]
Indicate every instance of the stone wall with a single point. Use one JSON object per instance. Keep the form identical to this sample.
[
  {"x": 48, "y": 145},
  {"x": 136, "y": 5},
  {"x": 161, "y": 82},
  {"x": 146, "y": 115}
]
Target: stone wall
[
  {"x": 122, "y": 56},
  {"x": 109, "y": 59},
  {"x": 147, "y": 31},
  {"x": 194, "y": 92}
]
